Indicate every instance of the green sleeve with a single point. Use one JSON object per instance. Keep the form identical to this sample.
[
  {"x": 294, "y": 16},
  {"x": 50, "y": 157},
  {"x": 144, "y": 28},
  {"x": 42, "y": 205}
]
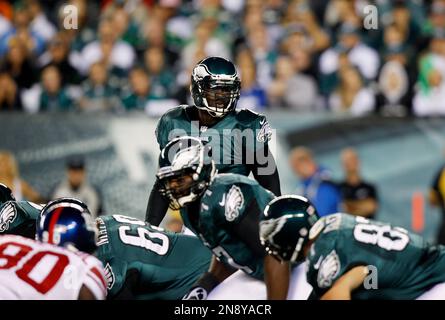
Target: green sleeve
[
  {"x": 162, "y": 132},
  {"x": 19, "y": 218}
]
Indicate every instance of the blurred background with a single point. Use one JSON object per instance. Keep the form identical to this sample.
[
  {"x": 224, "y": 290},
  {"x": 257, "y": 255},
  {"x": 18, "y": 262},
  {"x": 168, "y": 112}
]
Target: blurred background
[{"x": 357, "y": 112}]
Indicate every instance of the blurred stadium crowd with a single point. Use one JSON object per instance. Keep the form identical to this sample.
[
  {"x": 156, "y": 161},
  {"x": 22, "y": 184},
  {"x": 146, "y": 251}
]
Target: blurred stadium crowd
[{"x": 297, "y": 55}]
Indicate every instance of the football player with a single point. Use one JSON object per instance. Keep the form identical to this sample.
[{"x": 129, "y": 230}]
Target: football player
[
  {"x": 146, "y": 262},
  {"x": 222, "y": 209},
  {"x": 239, "y": 138},
  {"x": 60, "y": 269},
  {"x": 17, "y": 217},
  {"x": 352, "y": 257}
]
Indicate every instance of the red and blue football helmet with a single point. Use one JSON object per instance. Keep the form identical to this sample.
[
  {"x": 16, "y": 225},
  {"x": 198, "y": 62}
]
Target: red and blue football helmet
[{"x": 67, "y": 222}]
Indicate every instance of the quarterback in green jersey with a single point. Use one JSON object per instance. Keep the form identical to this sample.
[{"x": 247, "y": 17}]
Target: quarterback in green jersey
[
  {"x": 349, "y": 257},
  {"x": 239, "y": 138},
  {"x": 17, "y": 217},
  {"x": 148, "y": 263},
  {"x": 222, "y": 209}
]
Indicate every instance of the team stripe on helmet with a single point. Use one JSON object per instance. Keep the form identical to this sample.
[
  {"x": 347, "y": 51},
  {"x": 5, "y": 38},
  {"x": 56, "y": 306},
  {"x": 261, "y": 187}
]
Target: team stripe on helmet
[{"x": 52, "y": 224}]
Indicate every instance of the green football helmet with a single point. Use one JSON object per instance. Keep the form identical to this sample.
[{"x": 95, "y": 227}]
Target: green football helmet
[
  {"x": 185, "y": 171},
  {"x": 285, "y": 226},
  {"x": 5, "y": 194},
  {"x": 215, "y": 86}
]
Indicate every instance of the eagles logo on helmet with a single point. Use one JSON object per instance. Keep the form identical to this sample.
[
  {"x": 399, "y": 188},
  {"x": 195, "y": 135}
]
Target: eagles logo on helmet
[
  {"x": 281, "y": 217},
  {"x": 184, "y": 159}
]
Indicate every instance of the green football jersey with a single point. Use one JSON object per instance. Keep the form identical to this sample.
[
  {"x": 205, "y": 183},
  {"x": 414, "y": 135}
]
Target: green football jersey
[
  {"x": 401, "y": 264},
  {"x": 233, "y": 140},
  {"x": 224, "y": 204},
  {"x": 168, "y": 263},
  {"x": 19, "y": 218}
]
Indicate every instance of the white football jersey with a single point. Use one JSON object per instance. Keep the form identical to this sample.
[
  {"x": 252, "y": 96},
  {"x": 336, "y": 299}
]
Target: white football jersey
[{"x": 31, "y": 270}]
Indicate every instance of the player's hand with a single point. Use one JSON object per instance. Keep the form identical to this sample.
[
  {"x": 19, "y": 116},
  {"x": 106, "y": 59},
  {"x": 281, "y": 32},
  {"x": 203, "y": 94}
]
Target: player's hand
[{"x": 196, "y": 293}]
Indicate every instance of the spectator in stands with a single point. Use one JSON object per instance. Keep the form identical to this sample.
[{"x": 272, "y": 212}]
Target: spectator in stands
[
  {"x": 316, "y": 182},
  {"x": 339, "y": 12},
  {"x": 252, "y": 95},
  {"x": 434, "y": 23},
  {"x": 54, "y": 96},
  {"x": 428, "y": 100},
  {"x": 40, "y": 24},
  {"x": 153, "y": 34},
  {"x": 138, "y": 11},
  {"x": 351, "y": 95},
  {"x": 253, "y": 16},
  {"x": 10, "y": 176},
  {"x": 271, "y": 13},
  {"x": 296, "y": 37},
  {"x": 395, "y": 84},
  {"x": 263, "y": 53},
  {"x": 57, "y": 55},
  {"x": 300, "y": 13},
  {"x": 125, "y": 29},
  {"x": 138, "y": 96},
  {"x": 365, "y": 58},
  {"x": 76, "y": 185},
  {"x": 162, "y": 80},
  {"x": 114, "y": 52},
  {"x": 404, "y": 21},
  {"x": 298, "y": 46},
  {"x": 9, "y": 94},
  {"x": 393, "y": 37},
  {"x": 18, "y": 65},
  {"x": 98, "y": 95},
  {"x": 204, "y": 40},
  {"x": 291, "y": 89},
  {"x": 359, "y": 197},
  {"x": 21, "y": 29}
]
